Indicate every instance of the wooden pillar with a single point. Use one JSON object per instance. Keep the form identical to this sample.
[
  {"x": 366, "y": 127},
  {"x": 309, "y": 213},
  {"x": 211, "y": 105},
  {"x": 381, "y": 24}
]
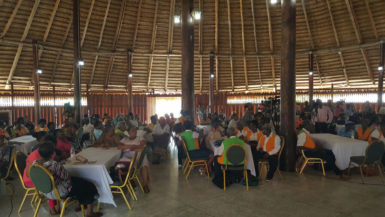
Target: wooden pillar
[
  {"x": 381, "y": 75},
  {"x": 311, "y": 76},
  {"x": 332, "y": 92},
  {"x": 36, "y": 82},
  {"x": 287, "y": 128},
  {"x": 54, "y": 106},
  {"x": 77, "y": 57},
  {"x": 211, "y": 78},
  {"x": 129, "y": 82},
  {"x": 88, "y": 100},
  {"x": 188, "y": 57},
  {"x": 12, "y": 105}
]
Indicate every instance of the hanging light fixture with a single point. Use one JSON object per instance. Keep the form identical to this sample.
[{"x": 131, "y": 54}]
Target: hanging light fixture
[
  {"x": 273, "y": 2},
  {"x": 39, "y": 71},
  {"x": 80, "y": 62},
  {"x": 212, "y": 75},
  {"x": 380, "y": 68},
  {"x": 176, "y": 19},
  {"x": 130, "y": 75},
  {"x": 311, "y": 73},
  {"x": 197, "y": 14}
]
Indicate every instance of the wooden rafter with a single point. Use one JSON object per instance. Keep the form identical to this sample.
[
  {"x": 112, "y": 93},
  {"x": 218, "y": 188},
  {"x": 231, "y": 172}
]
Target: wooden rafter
[
  {"x": 24, "y": 36},
  {"x": 271, "y": 44},
  {"x": 200, "y": 50},
  {"x": 169, "y": 41},
  {"x": 311, "y": 38},
  {"x": 356, "y": 27},
  {"x": 154, "y": 28},
  {"x": 243, "y": 45},
  {"x": 337, "y": 42},
  {"x": 137, "y": 24},
  {"x": 216, "y": 43},
  {"x": 230, "y": 44},
  {"x": 372, "y": 23},
  {"x": 116, "y": 38},
  {"x": 256, "y": 42},
  {"x": 61, "y": 51},
  {"x": 99, "y": 43},
  {"x": 87, "y": 22},
  {"x": 10, "y": 20}
]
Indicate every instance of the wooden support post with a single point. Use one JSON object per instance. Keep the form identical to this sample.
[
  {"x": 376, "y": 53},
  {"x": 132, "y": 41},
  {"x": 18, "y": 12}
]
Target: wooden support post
[
  {"x": 88, "y": 100},
  {"x": 381, "y": 75},
  {"x": 12, "y": 105},
  {"x": 129, "y": 81},
  {"x": 187, "y": 58},
  {"x": 288, "y": 40},
  {"x": 54, "y": 105},
  {"x": 311, "y": 74},
  {"x": 36, "y": 82},
  {"x": 332, "y": 92},
  {"x": 77, "y": 57},
  {"x": 211, "y": 78}
]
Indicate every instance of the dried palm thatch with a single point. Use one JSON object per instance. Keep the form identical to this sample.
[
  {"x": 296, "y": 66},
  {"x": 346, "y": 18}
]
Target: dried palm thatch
[{"x": 344, "y": 36}]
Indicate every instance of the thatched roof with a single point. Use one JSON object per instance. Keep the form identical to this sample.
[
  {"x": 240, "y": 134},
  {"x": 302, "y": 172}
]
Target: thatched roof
[{"x": 245, "y": 34}]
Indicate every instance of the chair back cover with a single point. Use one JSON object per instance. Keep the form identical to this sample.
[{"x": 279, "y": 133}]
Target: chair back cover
[
  {"x": 374, "y": 153},
  {"x": 235, "y": 155},
  {"x": 41, "y": 180}
]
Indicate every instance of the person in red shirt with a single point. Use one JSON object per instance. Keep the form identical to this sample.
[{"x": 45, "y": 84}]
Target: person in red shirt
[{"x": 63, "y": 144}]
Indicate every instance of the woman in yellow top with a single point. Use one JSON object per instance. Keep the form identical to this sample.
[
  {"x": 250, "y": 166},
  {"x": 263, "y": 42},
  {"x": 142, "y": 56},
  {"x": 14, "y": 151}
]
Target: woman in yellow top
[
  {"x": 363, "y": 132},
  {"x": 20, "y": 129}
]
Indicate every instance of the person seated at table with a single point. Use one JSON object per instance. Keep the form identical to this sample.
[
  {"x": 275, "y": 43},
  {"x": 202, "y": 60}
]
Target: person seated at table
[
  {"x": 347, "y": 131},
  {"x": 238, "y": 130},
  {"x": 42, "y": 126},
  {"x": 311, "y": 150},
  {"x": 246, "y": 132},
  {"x": 120, "y": 129},
  {"x": 234, "y": 121},
  {"x": 6, "y": 130},
  {"x": 196, "y": 150},
  {"x": 129, "y": 146},
  {"x": 77, "y": 188},
  {"x": 378, "y": 134},
  {"x": 161, "y": 136},
  {"x": 97, "y": 129},
  {"x": 215, "y": 132},
  {"x": 363, "y": 132},
  {"x": 178, "y": 129},
  {"x": 268, "y": 147},
  {"x": 5, "y": 155},
  {"x": 51, "y": 129},
  {"x": 63, "y": 144},
  {"x": 108, "y": 138},
  {"x": 255, "y": 134},
  {"x": 20, "y": 129}
]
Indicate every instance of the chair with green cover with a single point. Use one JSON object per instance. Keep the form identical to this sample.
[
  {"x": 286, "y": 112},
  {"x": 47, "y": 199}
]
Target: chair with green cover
[
  {"x": 373, "y": 157},
  {"x": 191, "y": 162},
  {"x": 118, "y": 187},
  {"x": 20, "y": 164},
  {"x": 235, "y": 159},
  {"x": 45, "y": 183}
]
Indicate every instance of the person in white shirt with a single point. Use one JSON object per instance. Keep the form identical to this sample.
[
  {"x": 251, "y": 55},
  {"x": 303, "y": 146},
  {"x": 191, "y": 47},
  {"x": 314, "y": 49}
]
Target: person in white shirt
[
  {"x": 132, "y": 144},
  {"x": 161, "y": 135},
  {"x": 87, "y": 126},
  {"x": 234, "y": 121},
  {"x": 268, "y": 147}
]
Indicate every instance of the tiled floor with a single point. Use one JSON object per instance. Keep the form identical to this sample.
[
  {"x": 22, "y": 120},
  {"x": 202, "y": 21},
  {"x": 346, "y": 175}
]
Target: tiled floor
[{"x": 308, "y": 195}]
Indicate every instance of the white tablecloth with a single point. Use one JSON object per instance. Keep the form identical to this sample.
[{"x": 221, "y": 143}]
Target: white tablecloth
[
  {"x": 205, "y": 128},
  {"x": 343, "y": 148},
  {"x": 218, "y": 151},
  {"x": 97, "y": 172},
  {"x": 28, "y": 142}
]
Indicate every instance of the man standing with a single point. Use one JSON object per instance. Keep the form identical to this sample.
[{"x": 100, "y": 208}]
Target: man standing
[{"x": 323, "y": 117}]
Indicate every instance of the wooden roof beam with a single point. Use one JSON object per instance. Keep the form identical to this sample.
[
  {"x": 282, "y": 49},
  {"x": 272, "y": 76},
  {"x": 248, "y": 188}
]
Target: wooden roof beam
[
  {"x": 271, "y": 42},
  {"x": 216, "y": 44},
  {"x": 153, "y": 38},
  {"x": 311, "y": 38},
  {"x": 353, "y": 18},
  {"x": 24, "y": 36},
  {"x": 116, "y": 38},
  {"x": 10, "y": 20},
  {"x": 87, "y": 22},
  {"x": 99, "y": 43},
  {"x": 372, "y": 23},
  {"x": 137, "y": 24},
  {"x": 230, "y": 44},
  {"x": 243, "y": 45},
  {"x": 256, "y": 42},
  {"x": 169, "y": 41}
]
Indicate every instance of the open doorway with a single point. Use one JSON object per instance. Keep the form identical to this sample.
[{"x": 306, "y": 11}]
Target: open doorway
[{"x": 167, "y": 105}]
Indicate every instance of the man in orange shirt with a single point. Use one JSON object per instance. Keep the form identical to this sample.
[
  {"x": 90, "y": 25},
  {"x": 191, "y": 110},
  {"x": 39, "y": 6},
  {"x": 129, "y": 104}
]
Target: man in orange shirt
[{"x": 363, "y": 132}]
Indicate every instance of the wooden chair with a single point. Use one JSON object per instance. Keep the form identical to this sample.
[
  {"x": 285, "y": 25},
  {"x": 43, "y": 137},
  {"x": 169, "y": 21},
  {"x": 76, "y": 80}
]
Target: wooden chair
[
  {"x": 118, "y": 188},
  {"x": 45, "y": 183},
  {"x": 264, "y": 164},
  {"x": 19, "y": 164},
  {"x": 373, "y": 157},
  {"x": 236, "y": 156},
  {"x": 191, "y": 163},
  {"x": 311, "y": 161}
]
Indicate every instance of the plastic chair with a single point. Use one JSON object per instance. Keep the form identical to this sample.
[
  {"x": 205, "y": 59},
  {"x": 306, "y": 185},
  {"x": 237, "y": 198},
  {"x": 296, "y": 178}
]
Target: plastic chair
[
  {"x": 117, "y": 188},
  {"x": 235, "y": 160},
  {"x": 191, "y": 163},
  {"x": 45, "y": 183},
  {"x": 264, "y": 164},
  {"x": 311, "y": 160},
  {"x": 373, "y": 157},
  {"x": 20, "y": 164}
]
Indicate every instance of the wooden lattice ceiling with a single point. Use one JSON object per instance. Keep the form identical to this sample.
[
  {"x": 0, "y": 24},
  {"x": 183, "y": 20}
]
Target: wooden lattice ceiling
[{"x": 344, "y": 35}]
